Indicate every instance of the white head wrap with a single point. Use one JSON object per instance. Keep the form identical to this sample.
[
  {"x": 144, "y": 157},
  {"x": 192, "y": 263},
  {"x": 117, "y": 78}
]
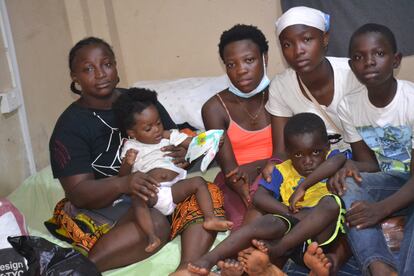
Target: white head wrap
[{"x": 304, "y": 16}]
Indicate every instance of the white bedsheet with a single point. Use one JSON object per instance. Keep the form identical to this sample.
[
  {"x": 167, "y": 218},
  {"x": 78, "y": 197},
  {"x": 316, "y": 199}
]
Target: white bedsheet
[{"x": 183, "y": 98}]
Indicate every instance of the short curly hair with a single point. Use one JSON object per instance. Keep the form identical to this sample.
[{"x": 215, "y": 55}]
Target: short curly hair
[
  {"x": 374, "y": 28},
  {"x": 302, "y": 123},
  {"x": 241, "y": 32},
  {"x": 132, "y": 102}
]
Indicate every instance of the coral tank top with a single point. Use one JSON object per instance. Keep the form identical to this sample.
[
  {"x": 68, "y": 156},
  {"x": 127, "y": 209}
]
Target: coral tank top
[{"x": 248, "y": 145}]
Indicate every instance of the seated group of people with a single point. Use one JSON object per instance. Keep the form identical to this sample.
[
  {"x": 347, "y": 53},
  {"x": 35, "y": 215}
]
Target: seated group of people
[{"x": 311, "y": 162}]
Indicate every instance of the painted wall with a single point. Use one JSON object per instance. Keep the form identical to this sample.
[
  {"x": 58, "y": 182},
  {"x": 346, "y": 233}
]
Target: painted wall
[
  {"x": 155, "y": 39},
  {"x": 41, "y": 39},
  {"x": 168, "y": 39}
]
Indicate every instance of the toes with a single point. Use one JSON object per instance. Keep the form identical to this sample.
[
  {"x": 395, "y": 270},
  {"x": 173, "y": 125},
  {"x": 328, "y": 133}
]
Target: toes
[
  {"x": 220, "y": 264},
  {"x": 246, "y": 251},
  {"x": 313, "y": 248}
]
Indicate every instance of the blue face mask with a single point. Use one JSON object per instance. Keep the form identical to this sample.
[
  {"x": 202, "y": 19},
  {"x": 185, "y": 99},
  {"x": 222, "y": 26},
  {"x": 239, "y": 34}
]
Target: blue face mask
[{"x": 262, "y": 85}]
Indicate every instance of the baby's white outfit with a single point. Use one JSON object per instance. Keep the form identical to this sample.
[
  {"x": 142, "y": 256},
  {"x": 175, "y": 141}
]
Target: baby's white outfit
[{"x": 151, "y": 157}]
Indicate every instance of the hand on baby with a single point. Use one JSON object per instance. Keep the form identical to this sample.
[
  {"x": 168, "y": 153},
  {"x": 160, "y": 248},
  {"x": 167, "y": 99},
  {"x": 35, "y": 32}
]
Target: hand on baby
[
  {"x": 267, "y": 170},
  {"x": 142, "y": 185},
  {"x": 297, "y": 196},
  {"x": 178, "y": 155}
]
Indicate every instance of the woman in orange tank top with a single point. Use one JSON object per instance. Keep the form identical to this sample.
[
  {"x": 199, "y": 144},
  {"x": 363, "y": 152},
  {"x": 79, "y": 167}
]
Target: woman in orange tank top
[{"x": 239, "y": 110}]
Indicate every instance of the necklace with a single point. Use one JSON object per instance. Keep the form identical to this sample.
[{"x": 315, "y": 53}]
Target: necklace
[{"x": 259, "y": 110}]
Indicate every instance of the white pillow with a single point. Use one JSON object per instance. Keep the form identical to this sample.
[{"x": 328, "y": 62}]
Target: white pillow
[{"x": 183, "y": 98}]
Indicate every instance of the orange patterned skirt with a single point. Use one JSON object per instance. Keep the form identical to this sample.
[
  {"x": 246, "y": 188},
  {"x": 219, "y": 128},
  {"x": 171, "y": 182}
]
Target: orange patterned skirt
[
  {"x": 188, "y": 211},
  {"x": 82, "y": 230}
]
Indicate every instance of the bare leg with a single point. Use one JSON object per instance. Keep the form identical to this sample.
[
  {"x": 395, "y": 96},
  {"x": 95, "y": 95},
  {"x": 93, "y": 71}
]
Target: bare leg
[
  {"x": 266, "y": 227},
  {"x": 319, "y": 222},
  {"x": 251, "y": 215},
  {"x": 144, "y": 221},
  {"x": 231, "y": 267},
  {"x": 198, "y": 186},
  {"x": 195, "y": 242},
  {"x": 124, "y": 244}
]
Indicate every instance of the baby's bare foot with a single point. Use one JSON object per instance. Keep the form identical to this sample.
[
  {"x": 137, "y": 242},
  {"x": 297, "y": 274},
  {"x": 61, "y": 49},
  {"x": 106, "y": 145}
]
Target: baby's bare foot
[
  {"x": 316, "y": 260},
  {"x": 216, "y": 224},
  {"x": 230, "y": 267},
  {"x": 153, "y": 243}
]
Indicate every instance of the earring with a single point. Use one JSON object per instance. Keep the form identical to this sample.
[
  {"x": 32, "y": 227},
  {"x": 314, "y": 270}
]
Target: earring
[{"x": 77, "y": 86}]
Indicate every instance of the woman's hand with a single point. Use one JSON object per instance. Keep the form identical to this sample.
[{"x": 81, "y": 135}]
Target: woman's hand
[
  {"x": 177, "y": 153},
  {"x": 268, "y": 169},
  {"x": 337, "y": 183},
  {"x": 297, "y": 196},
  {"x": 142, "y": 185},
  {"x": 239, "y": 182}
]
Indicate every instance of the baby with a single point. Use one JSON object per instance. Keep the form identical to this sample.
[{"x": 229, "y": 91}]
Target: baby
[{"x": 139, "y": 118}]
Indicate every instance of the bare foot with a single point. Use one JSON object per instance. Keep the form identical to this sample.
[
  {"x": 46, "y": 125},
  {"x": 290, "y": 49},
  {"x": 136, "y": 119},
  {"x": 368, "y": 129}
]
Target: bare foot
[
  {"x": 261, "y": 245},
  {"x": 230, "y": 267},
  {"x": 272, "y": 248},
  {"x": 256, "y": 262},
  {"x": 316, "y": 260},
  {"x": 216, "y": 224},
  {"x": 200, "y": 267},
  {"x": 153, "y": 243}
]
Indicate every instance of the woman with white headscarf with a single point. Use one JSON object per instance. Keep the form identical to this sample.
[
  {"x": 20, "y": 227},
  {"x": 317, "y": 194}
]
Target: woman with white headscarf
[{"x": 312, "y": 83}]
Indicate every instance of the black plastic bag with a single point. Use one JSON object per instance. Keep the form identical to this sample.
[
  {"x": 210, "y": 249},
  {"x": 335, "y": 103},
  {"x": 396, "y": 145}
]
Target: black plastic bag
[
  {"x": 12, "y": 263},
  {"x": 46, "y": 258}
]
